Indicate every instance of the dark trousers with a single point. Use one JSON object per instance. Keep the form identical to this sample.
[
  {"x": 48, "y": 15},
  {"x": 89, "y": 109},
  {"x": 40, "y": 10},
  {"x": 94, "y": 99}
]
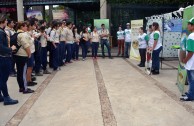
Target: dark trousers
[
  {"x": 4, "y": 74},
  {"x": 55, "y": 57},
  {"x": 69, "y": 53},
  {"x": 72, "y": 50},
  {"x": 37, "y": 56},
  {"x": 76, "y": 51},
  {"x": 142, "y": 53},
  {"x": 44, "y": 57},
  {"x": 95, "y": 46},
  {"x": 84, "y": 46},
  {"x": 104, "y": 42},
  {"x": 121, "y": 46},
  {"x": 20, "y": 64},
  {"x": 156, "y": 59},
  {"x": 127, "y": 48},
  {"x": 12, "y": 71},
  {"x": 49, "y": 49},
  {"x": 61, "y": 53}
]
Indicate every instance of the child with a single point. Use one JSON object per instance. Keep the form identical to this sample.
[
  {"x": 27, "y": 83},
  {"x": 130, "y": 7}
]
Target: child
[
  {"x": 142, "y": 47},
  {"x": 150, "y": 38},
  {"x": 189, "y": 61},
  {"x": 120, "y": 39}
]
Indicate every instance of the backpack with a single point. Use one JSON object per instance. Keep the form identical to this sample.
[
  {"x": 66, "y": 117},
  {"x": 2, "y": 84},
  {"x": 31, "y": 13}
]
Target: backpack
[{"x": 13, "y": 41}]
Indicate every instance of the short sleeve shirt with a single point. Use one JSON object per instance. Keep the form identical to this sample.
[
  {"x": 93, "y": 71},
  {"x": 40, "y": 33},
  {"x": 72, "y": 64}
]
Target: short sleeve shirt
[{"x": 190, "y": 48}]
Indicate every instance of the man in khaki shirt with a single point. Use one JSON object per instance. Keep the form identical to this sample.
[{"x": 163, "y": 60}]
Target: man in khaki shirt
[{"x": 104, "y": 35}]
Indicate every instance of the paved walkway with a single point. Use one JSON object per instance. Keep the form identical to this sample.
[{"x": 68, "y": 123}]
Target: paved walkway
[{"x": 103, "y": 93}]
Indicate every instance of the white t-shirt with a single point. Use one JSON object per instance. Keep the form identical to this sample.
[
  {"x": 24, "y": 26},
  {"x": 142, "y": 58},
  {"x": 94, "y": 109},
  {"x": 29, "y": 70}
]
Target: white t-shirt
[
  {"x": 142, "y": 41},
  {"x": 54, "y": 37},
  {"x": 157, "y": 36},
  {"x": 151, "y": 40},
  {"x": 127, "y": 34},
  {"x": 190, "y": 44},
  {"x": 120, "y": 35}
]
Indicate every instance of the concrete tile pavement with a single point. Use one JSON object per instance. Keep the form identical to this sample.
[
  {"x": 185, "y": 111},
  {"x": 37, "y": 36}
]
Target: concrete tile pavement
[{"x": 72, "y": 98}]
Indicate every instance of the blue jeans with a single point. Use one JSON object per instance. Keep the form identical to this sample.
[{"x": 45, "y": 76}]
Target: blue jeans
[
  {"x": 5, "y": 66},
  {"x": 104, "y": 42},
  {"x": 12, "y": 71},
  {"x": 69, "y": 53},
  {"x": 55, "y": 56},
  {"x": 156, "y": 59},
  {"x": 61, "y": 53},
  {"x": 127, "y": 48},
  {"x": 84, "y": 49},
  {"x": 190, "y": 78},
  {"x": 95, "y": 46},
  {"x": 76, "y": 51},
  {"x": 44, "y": 57}
]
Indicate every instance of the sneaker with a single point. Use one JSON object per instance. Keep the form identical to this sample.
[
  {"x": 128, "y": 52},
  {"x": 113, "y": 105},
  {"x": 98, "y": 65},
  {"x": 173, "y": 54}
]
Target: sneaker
[
  {"x": 142, "y": 65},
  {"x": 9, "y": 101},
  {"x": 46, "y": 72},
  {"x": 83, "y": 59},
  {"x": 39, "y": 74},
  {"x": 185, "y": 98},
  {"x": 32, "y": 83},
  {"x": 28, "y": 91},
  {"x": 33, "y": 78},
  {"x": 103, "y": 57},
  {"x": 155, "y": 72}
]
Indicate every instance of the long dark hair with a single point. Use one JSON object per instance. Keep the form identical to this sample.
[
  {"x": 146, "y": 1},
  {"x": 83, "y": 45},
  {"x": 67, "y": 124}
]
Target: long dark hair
[
  {"x": 156, "y": 25},
  {"x": 74, "y": 31}
]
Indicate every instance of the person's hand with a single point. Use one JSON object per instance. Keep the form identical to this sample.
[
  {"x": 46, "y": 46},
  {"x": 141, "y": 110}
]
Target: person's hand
[
  {"x": 13, "y": 48},
  {"x": 184, "y": 61}
]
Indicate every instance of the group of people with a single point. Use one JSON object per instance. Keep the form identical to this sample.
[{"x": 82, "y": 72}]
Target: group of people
[
  {"x": 24, "y": 47},
  {"x": 150, "y": 45}
]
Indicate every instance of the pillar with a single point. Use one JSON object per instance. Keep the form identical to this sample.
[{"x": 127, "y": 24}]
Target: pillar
[
  {"x": 103, "y": 9},
  {"x": 20, "y": 10}
]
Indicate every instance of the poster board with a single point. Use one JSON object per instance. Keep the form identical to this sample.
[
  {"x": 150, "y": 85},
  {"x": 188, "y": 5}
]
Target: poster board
[
  {"x": 60, "y": 14},
  {"x": 182, "y": 74},
  {"x": 34, "y": 14},
  {"x": 135, "y": 25}
]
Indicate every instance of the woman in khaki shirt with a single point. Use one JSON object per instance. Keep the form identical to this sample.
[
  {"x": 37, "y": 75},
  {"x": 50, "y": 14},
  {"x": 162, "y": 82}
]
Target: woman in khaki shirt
[
  {"x": 21, "y": 57},
  {"x": 85, "y": 38},
  {"x": 95, "y": 39}
]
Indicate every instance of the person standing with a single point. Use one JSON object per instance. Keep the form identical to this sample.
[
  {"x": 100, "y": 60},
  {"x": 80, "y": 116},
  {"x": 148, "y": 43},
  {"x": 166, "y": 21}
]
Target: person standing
[
  {"x": 9, "y": 29},
  {"x": 104, "y": 35},
  {"x": 127, "y": 34},
  {"x": 120, "y": 40},
  {"x": 54, "y": 38},
  {"x": 62, "y": 44},
  {"x": 95, "y": 39},
  {"x": 5, "y": 62},
  {"x": 21, "y": 57},
  {"x": 149, "y": 46},
  {"x": 30, "y": 64},
  {"x": 43, "y": 42},
  {"x": 69, "y": 41},
  {"x": 157, "y": 47},
  {"x": 76, "y": 43},
  {"x": 85, "y": 38},
  {"x": 142, "y": 38},
  {"x": 189, "y": 61}
]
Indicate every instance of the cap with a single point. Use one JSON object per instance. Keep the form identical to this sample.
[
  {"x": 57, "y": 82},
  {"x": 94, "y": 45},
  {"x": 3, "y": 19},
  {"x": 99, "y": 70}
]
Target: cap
[
  {"x": 128, "y": 24},
  {"x": 191, "y": 21}
]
